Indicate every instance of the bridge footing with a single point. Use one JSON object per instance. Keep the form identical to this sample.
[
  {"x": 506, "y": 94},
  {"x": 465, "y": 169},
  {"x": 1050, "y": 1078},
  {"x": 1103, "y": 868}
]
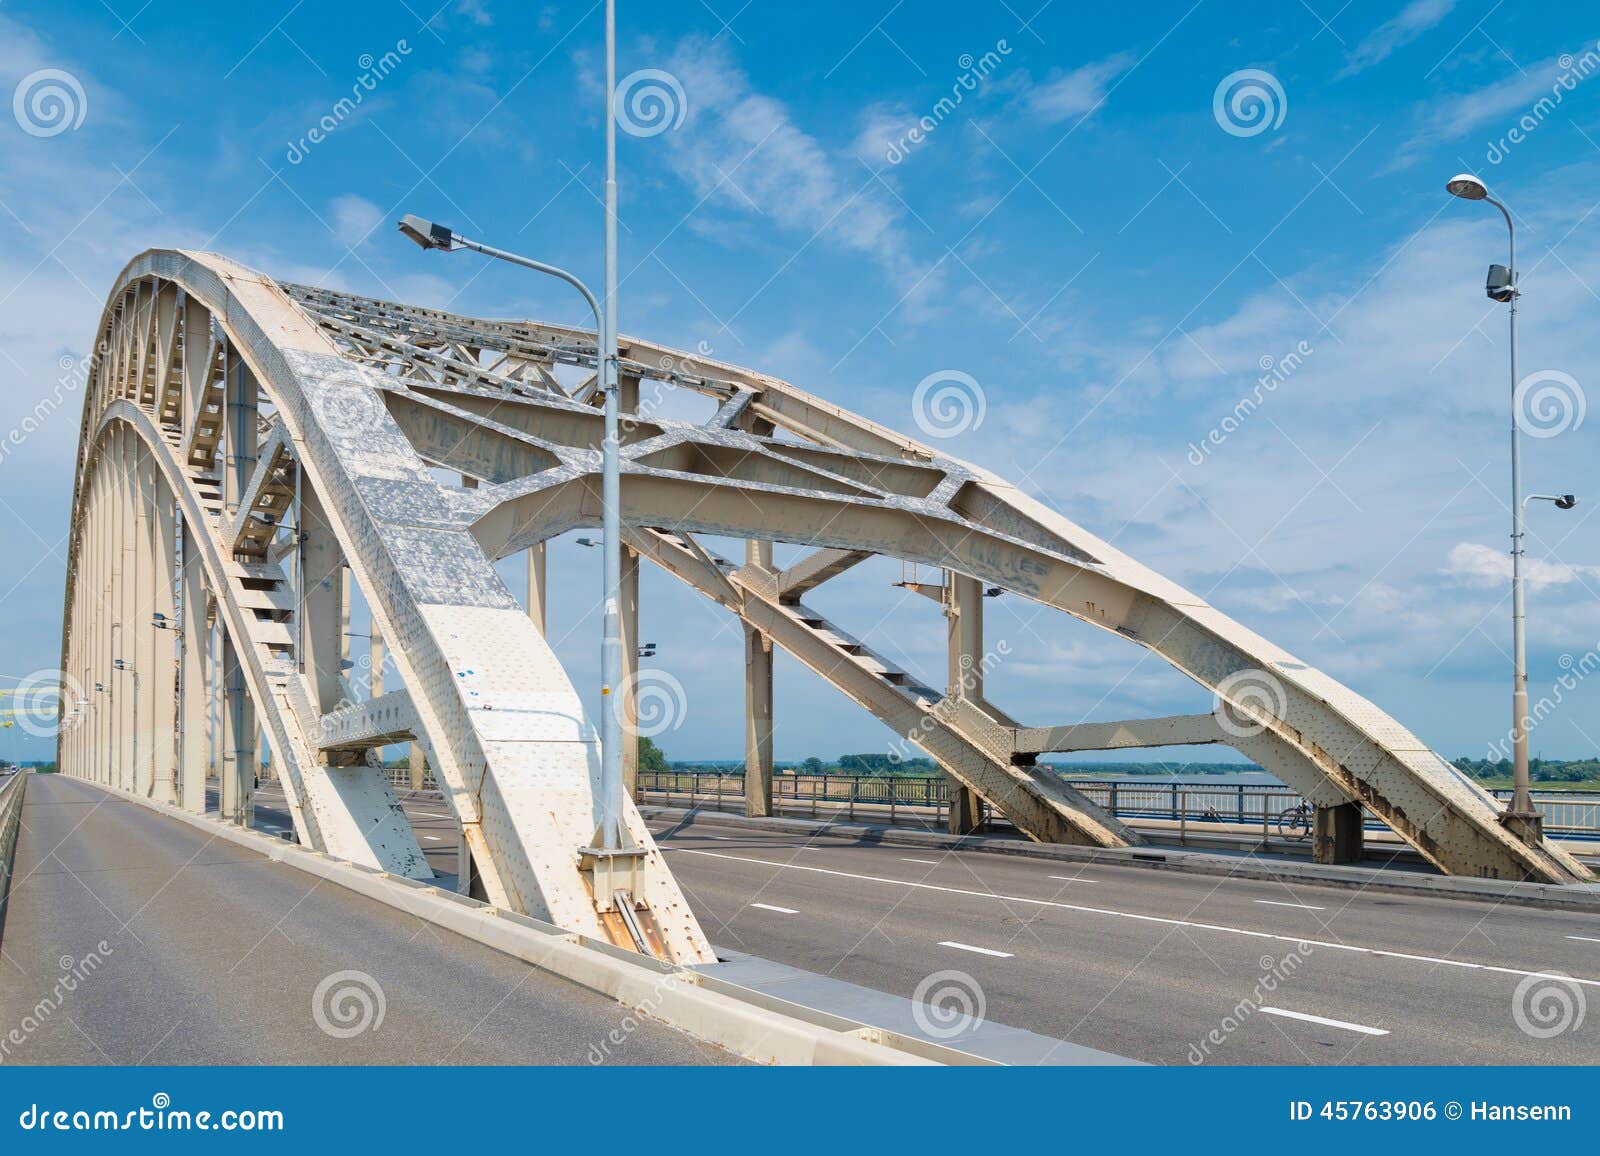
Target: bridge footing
[{"x": 1337, "y": 834}]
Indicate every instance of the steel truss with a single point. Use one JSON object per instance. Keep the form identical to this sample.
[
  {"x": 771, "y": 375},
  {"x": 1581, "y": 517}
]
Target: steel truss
[{"x": 248, "y": 447}]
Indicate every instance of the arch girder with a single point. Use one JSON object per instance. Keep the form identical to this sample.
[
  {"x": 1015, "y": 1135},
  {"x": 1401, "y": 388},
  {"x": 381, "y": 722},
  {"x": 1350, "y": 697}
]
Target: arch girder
[{"x": 508, "y": 735}]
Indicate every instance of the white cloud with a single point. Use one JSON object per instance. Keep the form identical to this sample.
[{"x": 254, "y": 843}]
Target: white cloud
[
  {"x": 1413, "y": 20},
  {"x": 354, "y": 219},
  {"x": 741, "y": 151},
  {"x": 1495, "y": 107},
  {"x": 1073, "y": 94},
  {"x": 1485, "y": 566}
]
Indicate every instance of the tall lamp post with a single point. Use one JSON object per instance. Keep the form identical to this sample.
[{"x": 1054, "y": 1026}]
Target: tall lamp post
[
  {"x": 612, "y": 856},
  {"x": 1520, "y": 816}
]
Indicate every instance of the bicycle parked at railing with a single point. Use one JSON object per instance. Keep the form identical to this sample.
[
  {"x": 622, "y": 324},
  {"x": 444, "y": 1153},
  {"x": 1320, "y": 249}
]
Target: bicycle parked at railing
[{"x": 1295, "y": 822}]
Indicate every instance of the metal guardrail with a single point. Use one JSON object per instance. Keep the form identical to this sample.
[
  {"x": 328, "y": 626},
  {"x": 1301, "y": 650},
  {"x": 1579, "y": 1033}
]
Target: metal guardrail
[
  {"x": 11, "y": 788},
  {"x": 400, "y": 778},
  {"x": 1567, "y": 814}
]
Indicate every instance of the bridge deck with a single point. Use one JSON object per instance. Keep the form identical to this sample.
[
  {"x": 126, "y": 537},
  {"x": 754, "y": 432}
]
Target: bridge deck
[
  {"x": 1138, "y": 962},
  {"x": 215, "y": 954}
]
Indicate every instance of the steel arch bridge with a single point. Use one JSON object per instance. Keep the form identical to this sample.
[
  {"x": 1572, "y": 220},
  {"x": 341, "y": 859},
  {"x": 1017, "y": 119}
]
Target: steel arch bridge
[{"x": 249, "y": 449}]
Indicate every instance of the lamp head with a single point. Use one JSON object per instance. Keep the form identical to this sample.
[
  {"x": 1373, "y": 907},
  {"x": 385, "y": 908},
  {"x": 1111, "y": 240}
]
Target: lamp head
[
  {"x": 1467, "y": 187},
  {"x": 426, "y": 234},
  {"x": 1566, "y": 501}
]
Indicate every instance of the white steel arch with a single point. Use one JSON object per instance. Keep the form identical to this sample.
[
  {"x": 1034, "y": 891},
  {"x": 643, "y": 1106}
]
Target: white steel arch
[{"x": 295, "y": 434}]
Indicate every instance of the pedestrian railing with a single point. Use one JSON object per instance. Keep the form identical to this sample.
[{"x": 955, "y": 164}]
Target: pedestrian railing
[{"x": 1567, "y": 814}]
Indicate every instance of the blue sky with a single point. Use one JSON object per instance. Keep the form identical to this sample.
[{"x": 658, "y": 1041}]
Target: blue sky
[{"x": 1112, "y": 250}]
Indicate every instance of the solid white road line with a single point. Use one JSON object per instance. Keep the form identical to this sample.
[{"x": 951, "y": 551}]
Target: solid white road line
[
  {"x": 1281, "y": 903},
  {"x": 1324, "y": 1021},
  {"x": 1584, "y": 938},
  {"x": 978, "y": 950},
  {"x": 1073, "y": 879},
  {"x": 924, "y": 862},
  {"x": 1329, "y": 945},
  {"x": 779, "y": 910}
]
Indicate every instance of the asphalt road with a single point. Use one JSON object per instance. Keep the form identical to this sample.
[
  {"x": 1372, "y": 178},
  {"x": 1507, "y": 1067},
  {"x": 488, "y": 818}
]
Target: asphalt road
[
  {"x": 134, "y": 939},
  {"x": 1144, "y": 963}
]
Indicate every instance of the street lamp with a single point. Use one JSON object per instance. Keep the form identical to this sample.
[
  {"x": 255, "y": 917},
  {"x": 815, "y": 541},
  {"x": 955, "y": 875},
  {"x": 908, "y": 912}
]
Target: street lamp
[
  {"x": 612, "y": 858},
  {"x": 1519, "y": 816},
  {"x": 1562, "y": 501},
  {"x": 431, "y": 235}
]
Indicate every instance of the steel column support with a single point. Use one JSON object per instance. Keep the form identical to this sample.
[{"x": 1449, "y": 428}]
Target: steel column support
[
  {"x": 195, "y": 753},
  {"x": 127, "y": 605},
  {"x": 324, "y": 629},
  {"x": 538, "y": 594},
  {"x": 166, "y": 647},
  {"x": 141, "y": 633},
  {"x": 757, "y": 702},
  {"x": 964, "y": 611},
  {"x": 239, "y": 760}
]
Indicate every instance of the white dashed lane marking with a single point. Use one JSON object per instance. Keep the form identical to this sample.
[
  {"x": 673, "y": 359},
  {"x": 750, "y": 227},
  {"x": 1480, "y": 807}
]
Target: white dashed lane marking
[
  {"x": 1324, "y": 1021},
  {"x": 977, "y": 950}
]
